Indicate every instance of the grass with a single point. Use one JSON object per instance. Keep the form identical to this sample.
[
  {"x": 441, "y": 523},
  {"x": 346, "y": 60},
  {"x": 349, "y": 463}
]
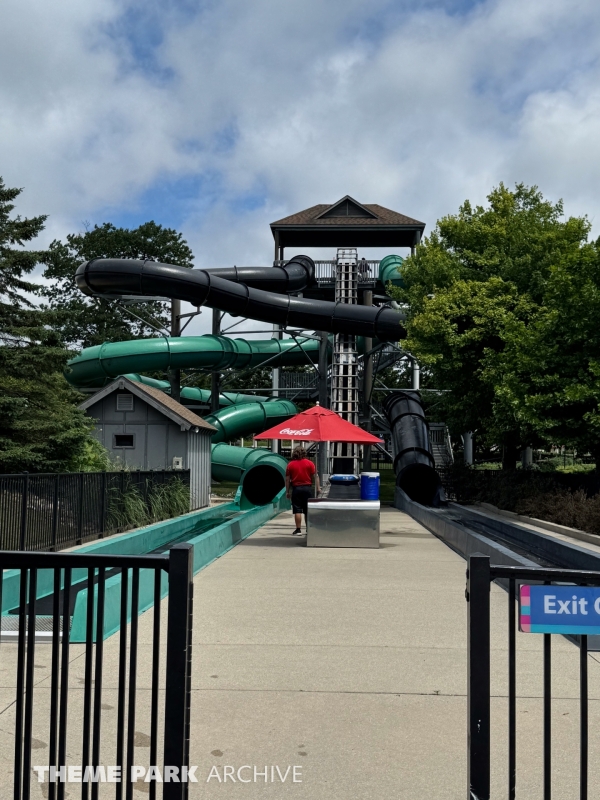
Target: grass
[
  {"x": 225, "y": 489},
  {"x": 129, "y": 509},
  {"x": 387, "y": 485}
]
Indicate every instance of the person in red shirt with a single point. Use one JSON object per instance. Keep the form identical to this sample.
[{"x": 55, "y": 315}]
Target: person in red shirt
[{"x": 298, "y": 484}]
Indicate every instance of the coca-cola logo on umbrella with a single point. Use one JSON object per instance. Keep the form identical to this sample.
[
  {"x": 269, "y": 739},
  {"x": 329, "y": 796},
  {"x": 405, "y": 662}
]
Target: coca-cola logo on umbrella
[{"x": 290, "y": 432}]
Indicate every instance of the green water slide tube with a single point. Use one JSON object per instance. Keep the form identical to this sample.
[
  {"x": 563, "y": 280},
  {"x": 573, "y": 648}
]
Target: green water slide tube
[
  {"x": 96, "y": 366},
  {"x": 195, "y": 395},
  {"x": 260, "y": 473},
  {"x": 241, "y": 420},
  {"x": 389, "y": 270}
]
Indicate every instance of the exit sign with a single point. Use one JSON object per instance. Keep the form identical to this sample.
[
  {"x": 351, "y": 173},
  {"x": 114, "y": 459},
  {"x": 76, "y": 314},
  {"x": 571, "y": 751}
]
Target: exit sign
[{"x": 559, "y": 609}]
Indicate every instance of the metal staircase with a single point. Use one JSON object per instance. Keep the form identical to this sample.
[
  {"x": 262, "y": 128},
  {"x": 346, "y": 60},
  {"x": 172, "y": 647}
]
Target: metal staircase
[
  {"x": 441, "y": 447},
  {"x": 344, "y": 374}
]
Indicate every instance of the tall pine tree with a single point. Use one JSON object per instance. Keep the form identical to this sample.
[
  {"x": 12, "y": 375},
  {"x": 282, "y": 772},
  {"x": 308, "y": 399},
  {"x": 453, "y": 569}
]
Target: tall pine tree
[{"x": 41, "y": 428}]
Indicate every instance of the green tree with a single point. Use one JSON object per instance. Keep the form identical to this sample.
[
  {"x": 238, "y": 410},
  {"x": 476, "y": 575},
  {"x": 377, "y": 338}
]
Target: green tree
[
  {"x": 478, "y": 281},
  {"x": 519, "y": 237},
  {"x": 551, "y": 366},
  {"x": 458, "y": 337},
  {"x": 84, "y": 321},
  {"x": 41, "y": 428}
]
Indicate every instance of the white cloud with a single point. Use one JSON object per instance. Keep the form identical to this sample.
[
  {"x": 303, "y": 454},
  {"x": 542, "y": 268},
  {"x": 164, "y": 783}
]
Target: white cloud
[{"x": 291, "y": 104}]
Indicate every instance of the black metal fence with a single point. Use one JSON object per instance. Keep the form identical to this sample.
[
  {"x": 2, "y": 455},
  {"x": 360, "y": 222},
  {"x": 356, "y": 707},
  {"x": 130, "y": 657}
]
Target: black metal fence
[
  {"x": 379, "y": 462},
  {"x": 480, "y": 575},
  {"x": 89, "y": 715},
  {"x": 58, "y": 510}
]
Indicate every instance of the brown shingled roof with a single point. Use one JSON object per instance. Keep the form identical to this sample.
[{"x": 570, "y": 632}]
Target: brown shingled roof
[
  {"x": 159, "y": 400},
  {"x": 179, "y": 409},
  {"x": 311, "y": 216}
]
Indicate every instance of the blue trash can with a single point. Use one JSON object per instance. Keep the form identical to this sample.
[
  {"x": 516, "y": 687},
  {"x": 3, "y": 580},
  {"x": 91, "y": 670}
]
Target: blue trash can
[{"x": 369, "y": 486}]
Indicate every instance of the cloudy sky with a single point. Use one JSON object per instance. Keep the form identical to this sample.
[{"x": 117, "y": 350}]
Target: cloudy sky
[{"x": 219, "y": 117}]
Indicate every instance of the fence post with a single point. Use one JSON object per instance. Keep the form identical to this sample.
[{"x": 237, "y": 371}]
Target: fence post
[
  {"x": 55, "y": 511},
  {"x": 103, "y": 506},
  {"x": 24, "y": 508},
  {"x": 178, "y": 665},
  {"x": 80, "y": 512},
  {"x": 478, "y": 677}
]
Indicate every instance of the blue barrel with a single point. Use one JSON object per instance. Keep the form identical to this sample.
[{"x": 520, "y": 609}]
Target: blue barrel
[
  {"x": 344, "y": 480},
  {"x": 369, "y": 486}
]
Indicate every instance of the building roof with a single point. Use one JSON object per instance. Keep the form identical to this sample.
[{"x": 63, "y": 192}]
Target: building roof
[
  {"x": 154, "y": 397},
  {"x": 347, "y": 223}
]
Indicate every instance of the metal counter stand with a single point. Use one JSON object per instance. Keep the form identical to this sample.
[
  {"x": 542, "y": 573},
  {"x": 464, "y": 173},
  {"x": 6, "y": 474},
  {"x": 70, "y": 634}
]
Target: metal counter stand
[{"x": 342, "y": 523}]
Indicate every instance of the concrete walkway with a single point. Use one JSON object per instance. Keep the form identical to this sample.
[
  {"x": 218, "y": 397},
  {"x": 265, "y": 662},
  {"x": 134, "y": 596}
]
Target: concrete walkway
[
  {"x": 348, "y": 664},
  {"x": 352, "y": 664}
]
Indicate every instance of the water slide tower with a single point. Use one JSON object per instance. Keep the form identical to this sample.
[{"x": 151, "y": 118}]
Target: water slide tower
[{"x": 345, "y": 226}]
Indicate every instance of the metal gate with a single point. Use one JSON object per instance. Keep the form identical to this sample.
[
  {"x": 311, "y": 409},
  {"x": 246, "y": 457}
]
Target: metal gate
[
  {"x": 480, "y": 575},
  {"x": 77, "y": 721}
]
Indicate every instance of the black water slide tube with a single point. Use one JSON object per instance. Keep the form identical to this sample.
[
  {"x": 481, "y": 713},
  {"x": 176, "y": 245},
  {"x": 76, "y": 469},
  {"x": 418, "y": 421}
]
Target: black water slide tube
[
  {"x": 414, "y": 464},
  {"x": 241, "y": 292}
]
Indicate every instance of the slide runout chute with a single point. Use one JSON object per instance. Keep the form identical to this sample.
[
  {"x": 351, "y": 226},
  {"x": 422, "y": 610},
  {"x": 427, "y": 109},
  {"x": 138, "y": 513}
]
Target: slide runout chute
[
  {"x": 113, "y": 276},
  {"x": 414, "y": 464}
]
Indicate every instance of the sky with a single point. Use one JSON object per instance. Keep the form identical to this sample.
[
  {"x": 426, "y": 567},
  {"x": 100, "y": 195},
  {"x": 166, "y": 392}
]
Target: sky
[{"x": 218, "y": 118}]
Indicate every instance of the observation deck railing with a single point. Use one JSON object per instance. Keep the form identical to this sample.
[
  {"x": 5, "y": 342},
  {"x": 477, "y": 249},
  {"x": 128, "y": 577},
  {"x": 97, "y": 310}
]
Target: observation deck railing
[{"x": 325, "y": 271}]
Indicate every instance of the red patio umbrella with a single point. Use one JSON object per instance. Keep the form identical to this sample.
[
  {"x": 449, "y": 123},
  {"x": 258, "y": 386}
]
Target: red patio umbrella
[{"x": 319, "y": 424}]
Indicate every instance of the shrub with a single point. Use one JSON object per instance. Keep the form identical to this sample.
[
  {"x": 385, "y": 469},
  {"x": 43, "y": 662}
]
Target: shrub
[
  {"x": 574, "y": 509},
  {"x": 566, "y": 499},
  {"x": 129, "y": 509}
]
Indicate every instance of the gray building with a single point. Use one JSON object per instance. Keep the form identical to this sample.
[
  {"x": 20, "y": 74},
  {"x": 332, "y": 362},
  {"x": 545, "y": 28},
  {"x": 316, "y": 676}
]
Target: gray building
[{"x": 145, "y": 428}]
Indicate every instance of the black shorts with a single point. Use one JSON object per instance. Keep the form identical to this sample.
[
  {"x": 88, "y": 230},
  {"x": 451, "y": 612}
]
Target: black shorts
[{"x": 300, "y": 495}]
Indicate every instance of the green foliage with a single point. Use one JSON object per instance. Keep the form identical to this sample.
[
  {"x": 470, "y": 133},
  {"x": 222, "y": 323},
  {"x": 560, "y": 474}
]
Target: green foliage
[
  {"x": 169, "y": 500},
  {"x": 15, "y": 262},
  {"x": 84, "y": 321},
  {"x": 481, "y": 317},
  {"x": 92, "y": 458},
  {"x": 573, "y": 469},
  {"x": 127, "y": 509},
  {"x": 560, "y": 497},
  {"x": 519, "y": 237},
  {"x": 458, "y": 336},
  {"x": 551, "y": 366},
  {"x": 41, "y": 429},
  {"x": 564, "y": 507}
]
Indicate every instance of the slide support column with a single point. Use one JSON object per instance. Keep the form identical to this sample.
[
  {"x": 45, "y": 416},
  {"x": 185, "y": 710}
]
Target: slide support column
[
  {"x": 323, "y": 401},
  {"x": 175, "y": 374},
  {"x": 215, "y": 378},
  {"x": 468, "y": 448},
  {"x": 277, "y": 334},
  {"x": 367, "y": 386},
  {"x": 416, "y": 375}
]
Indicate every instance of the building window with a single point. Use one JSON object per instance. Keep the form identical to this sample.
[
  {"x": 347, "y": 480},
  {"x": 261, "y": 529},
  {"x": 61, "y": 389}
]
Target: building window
[
  {"x": 124, "y": 402},
  {"x": 123, "y": 440}
]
